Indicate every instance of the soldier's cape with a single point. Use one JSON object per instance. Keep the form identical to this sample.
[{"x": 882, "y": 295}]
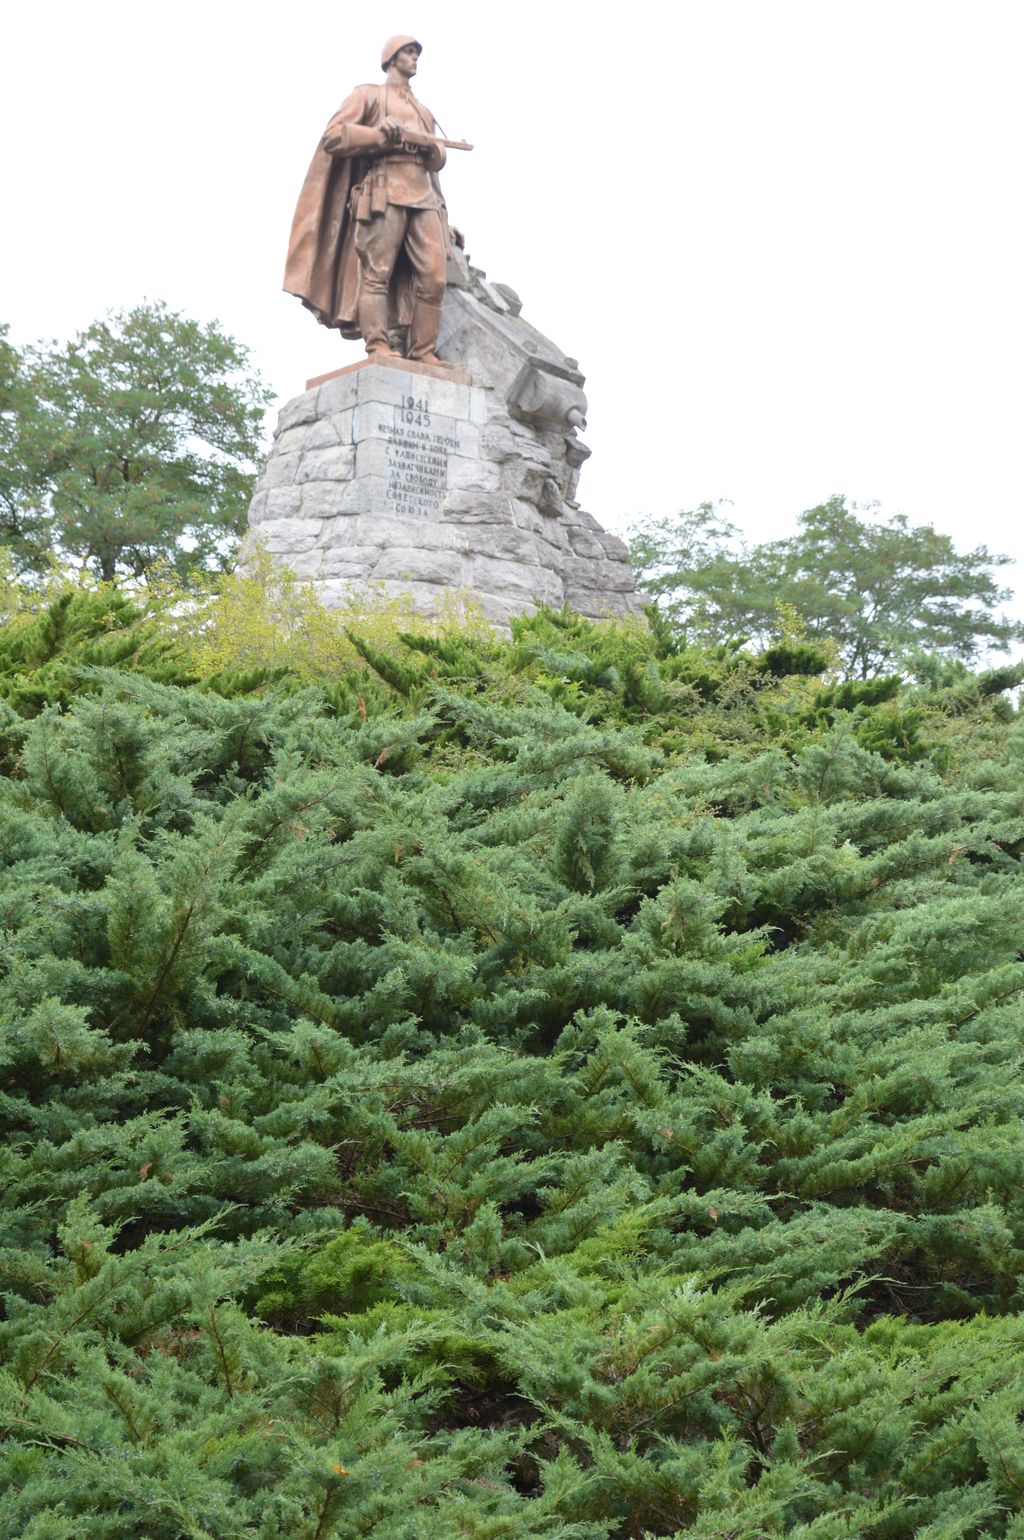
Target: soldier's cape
[{"x": 322, "y": 268}]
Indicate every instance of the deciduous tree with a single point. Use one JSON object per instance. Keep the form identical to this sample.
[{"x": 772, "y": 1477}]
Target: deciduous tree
[
  {"x": 883, "y": 590},
  {"x": 131, "y": 445}
]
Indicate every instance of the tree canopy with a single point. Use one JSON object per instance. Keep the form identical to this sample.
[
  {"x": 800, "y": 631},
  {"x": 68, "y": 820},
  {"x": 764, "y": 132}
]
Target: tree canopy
[
  {"x": 130, "y": 446},
  {"x": 882, "y": 590}
]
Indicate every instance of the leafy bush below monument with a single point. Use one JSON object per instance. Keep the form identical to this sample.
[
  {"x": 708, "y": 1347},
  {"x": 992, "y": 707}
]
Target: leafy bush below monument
[{"x": 558, "y": 1087}]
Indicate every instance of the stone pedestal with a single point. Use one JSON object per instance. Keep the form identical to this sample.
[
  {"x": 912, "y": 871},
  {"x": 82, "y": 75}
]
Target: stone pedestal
[{"x": 430, "y": 480}]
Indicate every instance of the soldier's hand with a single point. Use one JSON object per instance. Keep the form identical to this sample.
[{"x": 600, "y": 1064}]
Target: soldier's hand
[{"x": 391, "y": 131}]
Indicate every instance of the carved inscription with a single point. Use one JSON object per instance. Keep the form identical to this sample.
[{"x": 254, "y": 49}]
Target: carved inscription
[{"x": 417, "y": 459}]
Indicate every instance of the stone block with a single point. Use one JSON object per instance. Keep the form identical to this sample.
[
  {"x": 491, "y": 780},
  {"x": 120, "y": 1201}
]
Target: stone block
[
  {"x": 288, "y": 537},
  {"x": 293, "y": 440},
  {"x": 425, "y": 597},
  {"x": 467, "y": 440},
  {"x": 614, "y": 548},
  {"x": 391, "y": 387},
  {"x": 282, "y": 502},
  {"x": 453, "y": 400},
  {"x": 303, "y": 564},
  {"x": 585, "y": 544},
  {"x": 551, "y": 504},
  {"x": 366, "y": 422},
  {"x": 334, "y": 464},
  {"x": 494, "y": 576},
  {"x": 388, "y": 530},
  {"x": 503, "y": 543},
  {"x": 477, "y": 508},
  {"x": 335, "y": 592},
  {"x": 350, "y": 591},
  {"x": 524, "y": 479},
  {"x": 596, "y": 604},
  {"x": 300, "y": 409},
  {"x": 279, "y": 471},
  {"x": 324, "y": 499},
  {"x": 322, "y": 434},
  {"x": 587, "y": 575},
  {"x": 434, "y": 429},
  {"x": 472, "y": 475},
  {"x": 500, "y": 609},
  {"x": 578, "y": 572},
  {"x": 531, "y": 443},
  {"x": 554, "y": 539},
  {"x": 556, "y": 449},
  {"x": 372, "y": 459},
  {"x": 339, "y": 394},
  {"x": 384, "y": 386},
  {"x": 257, "y": 507},
  {"x": 349, "y": 562},
  {"x": 497, "y": 443},
  {"x": 526, "y": 516},
  {"x": 586, "y": 520},
  {"x": 478, "y": 407},
  {"x": 367, "y": 494},
  {"x": 599, "y": 603},
  {"x": 612, "y": 576},
  {"x": 413, "y": 564},
  {"x": 551, "y": 530},
  {"x": 343, "y": 425}
]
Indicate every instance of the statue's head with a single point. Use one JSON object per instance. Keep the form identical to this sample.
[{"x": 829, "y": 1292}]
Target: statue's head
[{"x": 401, "y": 45}]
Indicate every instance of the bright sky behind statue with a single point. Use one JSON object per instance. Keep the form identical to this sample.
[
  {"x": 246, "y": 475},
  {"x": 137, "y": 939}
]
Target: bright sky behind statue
[{"x": 783, "y": 239}]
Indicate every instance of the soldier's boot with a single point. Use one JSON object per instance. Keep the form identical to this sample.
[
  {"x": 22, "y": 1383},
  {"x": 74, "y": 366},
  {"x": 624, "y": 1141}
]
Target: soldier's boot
[
  {"x": 423, "y": 334},
  {"x": 373, "y": 323}
]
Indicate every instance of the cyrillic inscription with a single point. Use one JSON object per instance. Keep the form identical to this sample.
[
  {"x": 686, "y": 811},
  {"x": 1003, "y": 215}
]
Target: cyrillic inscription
[{"x": 417, "y": 458}]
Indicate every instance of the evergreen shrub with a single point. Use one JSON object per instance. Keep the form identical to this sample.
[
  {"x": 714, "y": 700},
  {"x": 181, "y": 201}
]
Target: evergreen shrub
[{"x": 563, "y": 1086}]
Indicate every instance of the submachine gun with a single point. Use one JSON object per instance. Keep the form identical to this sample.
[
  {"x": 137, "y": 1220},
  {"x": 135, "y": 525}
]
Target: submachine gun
[{"x": 419, "y": 139}]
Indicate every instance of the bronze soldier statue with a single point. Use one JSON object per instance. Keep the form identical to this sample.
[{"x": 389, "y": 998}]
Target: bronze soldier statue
[{"x": 370, "y": 238}]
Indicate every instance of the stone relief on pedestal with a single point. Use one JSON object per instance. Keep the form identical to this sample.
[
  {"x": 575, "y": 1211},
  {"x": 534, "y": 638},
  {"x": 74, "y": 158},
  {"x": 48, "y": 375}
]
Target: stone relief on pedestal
[{"x": 449, "y": 457}]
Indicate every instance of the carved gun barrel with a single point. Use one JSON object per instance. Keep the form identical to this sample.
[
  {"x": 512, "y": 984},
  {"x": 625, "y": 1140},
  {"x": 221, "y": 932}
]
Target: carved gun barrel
[{"x": 542, "y": 393}]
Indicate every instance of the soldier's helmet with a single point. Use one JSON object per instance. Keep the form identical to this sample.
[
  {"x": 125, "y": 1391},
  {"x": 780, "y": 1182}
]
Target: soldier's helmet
[{"x": 395, "y": 45}]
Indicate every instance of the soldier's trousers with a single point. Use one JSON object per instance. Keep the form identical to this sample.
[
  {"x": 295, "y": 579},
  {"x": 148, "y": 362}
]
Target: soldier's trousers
[{"x": 379, "y": 242}]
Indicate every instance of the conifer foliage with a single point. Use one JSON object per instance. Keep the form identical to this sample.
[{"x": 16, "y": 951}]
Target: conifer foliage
[{"x": 564, "y": 1088}]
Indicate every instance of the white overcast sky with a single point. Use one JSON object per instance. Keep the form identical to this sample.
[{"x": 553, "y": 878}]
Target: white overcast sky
[{"x": 783, "y": 237}]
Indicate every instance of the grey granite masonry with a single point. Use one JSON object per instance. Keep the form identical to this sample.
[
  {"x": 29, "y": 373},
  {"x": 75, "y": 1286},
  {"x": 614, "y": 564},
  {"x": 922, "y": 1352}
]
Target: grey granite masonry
[{"x": 389, "y": 473}]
